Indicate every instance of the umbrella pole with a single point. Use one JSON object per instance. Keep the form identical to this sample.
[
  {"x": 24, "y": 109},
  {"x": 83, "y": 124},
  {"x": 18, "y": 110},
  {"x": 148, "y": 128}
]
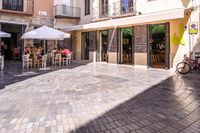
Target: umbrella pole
[
  {"x": 43, "y": 61},
  {"x": 44, "y": 46}
]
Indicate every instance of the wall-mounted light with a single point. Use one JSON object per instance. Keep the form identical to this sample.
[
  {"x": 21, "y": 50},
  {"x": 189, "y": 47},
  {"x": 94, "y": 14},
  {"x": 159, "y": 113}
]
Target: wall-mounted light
[
  {"x": 139, "y": 13},
  {"x": 185, "y": 27}
]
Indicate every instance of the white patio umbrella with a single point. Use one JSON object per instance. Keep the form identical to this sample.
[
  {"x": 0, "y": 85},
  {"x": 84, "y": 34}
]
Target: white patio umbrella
[
  {"x": 4, "y": 34},
  {"x": 45, "y": 33}
]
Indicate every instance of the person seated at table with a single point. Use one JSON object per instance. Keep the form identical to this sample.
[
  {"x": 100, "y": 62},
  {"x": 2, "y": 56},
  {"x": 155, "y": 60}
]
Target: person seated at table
[
  {"x": 53, "y": 52},
  {"x": 2, "y": 48},
  {"x": 42, "y": 51},
  {"x": 27, "y": 50},
  {"x": 39, "y": 53},
  {"x": 65, "y": 52}
]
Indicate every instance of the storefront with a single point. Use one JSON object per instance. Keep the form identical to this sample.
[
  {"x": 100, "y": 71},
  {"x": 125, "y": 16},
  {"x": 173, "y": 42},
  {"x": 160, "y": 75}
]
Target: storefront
[
  {"x": 158, "y": 46},
  {"x": 154, "y": 40},
  {"x": 125, "y": 49},
  {"x": 148, "y": 45},
  {"x": 14, "y": 44}
]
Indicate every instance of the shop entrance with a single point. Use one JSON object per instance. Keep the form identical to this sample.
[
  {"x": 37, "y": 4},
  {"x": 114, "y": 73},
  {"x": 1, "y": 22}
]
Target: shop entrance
[
  {"x": 85, "y": 46},
  {"x": 125, "y": 46},
  {"x": 14, "y": 43},
  {"x": 158, "y": 46},
  {"x": 102, "y": 48}
]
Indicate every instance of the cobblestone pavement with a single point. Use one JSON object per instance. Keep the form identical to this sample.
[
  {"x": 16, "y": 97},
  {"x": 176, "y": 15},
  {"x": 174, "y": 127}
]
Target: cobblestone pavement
[{"x": 101, "y": 98}]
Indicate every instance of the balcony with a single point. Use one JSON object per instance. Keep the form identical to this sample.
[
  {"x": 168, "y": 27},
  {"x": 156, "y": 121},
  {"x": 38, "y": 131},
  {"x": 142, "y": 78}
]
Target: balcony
[
  {"x": 63, "y": 11},
  {"x": 121, "y": 9},
  {"x": 24, "y": 7},
  {"x": 101, "y": 13}
]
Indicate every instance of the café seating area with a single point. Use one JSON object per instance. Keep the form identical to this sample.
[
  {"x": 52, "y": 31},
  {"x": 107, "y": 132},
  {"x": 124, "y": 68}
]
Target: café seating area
[{"x": 37, "y": 59}]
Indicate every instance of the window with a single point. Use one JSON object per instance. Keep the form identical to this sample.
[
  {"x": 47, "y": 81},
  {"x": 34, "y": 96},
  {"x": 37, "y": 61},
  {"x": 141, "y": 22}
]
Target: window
[
  {"x": 67, "y": 2},
  {"x": 127, "y": 6},
  {"x": 87, "y": 7},
  {"x": 16, "y": 5},
  {"x": 67, "y": 7},
  {"x": 103, "y": 10}
]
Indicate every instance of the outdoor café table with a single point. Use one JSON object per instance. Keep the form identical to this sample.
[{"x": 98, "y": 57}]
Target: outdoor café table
[{"x": 2, "y": 62}]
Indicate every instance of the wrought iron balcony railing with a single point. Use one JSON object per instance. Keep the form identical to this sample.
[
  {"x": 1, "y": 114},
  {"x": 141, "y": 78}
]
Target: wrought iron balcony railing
[
  {"x": 18, "y": 6},
  {"x": 121, "y": 9},
  {"x": 63, "y": 11},
  {"x": 101, "y": 12}
]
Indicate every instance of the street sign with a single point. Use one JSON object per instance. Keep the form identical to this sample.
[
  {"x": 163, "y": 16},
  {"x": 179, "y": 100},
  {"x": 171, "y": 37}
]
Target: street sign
[
  {"x": 42, "y": 13},
  {"x": 193, "y": 28}
]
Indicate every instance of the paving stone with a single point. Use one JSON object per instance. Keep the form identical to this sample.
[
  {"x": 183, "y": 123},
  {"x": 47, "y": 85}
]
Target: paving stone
[{"x": 95, "y": 98}]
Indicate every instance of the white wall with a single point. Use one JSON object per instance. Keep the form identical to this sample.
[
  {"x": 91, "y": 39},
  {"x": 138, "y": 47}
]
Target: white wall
[
  {"x": 143, "y": 6},
  {"x": 86, "y": 18},
  {"x": 147, "y": 6}
]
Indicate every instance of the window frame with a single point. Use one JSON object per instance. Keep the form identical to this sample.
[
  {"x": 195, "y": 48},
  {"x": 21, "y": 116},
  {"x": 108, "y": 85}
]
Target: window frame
[
  {"x": 17, "y": 6},
  {"x": 87, "y": 7}
]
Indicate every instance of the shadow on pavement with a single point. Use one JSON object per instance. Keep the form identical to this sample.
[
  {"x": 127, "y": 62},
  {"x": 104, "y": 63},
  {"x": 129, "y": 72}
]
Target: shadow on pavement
[
  {"x": 168, "y": 107},
  {"x": 14, "y": 72}
]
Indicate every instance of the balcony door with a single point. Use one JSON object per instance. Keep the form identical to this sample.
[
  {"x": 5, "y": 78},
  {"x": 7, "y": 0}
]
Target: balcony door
[
  {"x": 67, "y": 7},
  {"x": 15, "y": 5},
  {"x": 103, "y": 8},
  {"x": 126, "y": 6}
]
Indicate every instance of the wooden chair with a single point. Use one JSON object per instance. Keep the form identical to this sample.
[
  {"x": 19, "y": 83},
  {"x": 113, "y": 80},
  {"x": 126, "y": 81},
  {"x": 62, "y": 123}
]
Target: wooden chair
[
  {"x": 57, "y": 59},
  {"x": 44, "y": 61},
  {"x": 64, "y": 61},
  {"x": 27, "y": 62},
  {"x": 69, "y": 59}
]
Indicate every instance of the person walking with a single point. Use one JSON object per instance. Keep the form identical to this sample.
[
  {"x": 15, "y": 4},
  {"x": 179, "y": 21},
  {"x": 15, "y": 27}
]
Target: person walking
[{"x": 2, "y": 48}]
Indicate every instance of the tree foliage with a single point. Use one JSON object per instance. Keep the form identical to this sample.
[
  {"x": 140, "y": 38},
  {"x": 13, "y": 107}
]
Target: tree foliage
[
  {"x": 158, "y": 29},
  {"x": 127, "y": 31}
]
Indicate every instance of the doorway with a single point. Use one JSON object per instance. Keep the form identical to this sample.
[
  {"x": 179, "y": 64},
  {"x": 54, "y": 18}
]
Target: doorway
[
  {"x": 102, "y": 47},
  {"x": 158, "y": 46},
  {"x": 125, "y": 46},
  {"x": 14, "y": 43},
  {"x": 85, "y": 46}
]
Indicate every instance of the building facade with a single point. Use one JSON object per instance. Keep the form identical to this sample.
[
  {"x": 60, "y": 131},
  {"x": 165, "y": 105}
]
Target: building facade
[
  {"x": 20, "y": 16},
  {"x": 153, "y": 33}
]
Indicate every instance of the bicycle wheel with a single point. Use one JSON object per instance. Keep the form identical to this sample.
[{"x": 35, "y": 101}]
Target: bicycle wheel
[{"x": 183, "y": 68}]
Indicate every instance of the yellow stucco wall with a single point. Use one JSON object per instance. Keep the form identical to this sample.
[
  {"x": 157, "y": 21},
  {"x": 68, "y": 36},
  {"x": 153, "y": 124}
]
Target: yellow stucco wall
[
  {"x": 77, "y": 45},
  {"x": 112, "y": 57},
  {"x": 191, "y": 44},
  {"x": 140, "y": 59}
]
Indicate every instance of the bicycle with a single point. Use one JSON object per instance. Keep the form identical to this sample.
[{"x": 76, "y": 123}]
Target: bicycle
[{"x": 188, "y": 65}]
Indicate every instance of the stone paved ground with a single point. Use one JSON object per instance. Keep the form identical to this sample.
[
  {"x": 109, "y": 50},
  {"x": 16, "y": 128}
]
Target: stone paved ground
[{"x": 100, "y": 98}]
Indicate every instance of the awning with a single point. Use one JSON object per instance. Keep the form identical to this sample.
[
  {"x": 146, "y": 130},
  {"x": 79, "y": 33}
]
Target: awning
[
  {"x": 129, "y": 21},
  {"x": 4, "y": 34}
]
